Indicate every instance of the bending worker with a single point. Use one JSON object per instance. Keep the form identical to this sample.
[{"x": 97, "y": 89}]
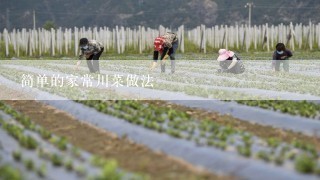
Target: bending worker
[
  {"x": 229, "y": 62},
  {"x": 165, "y": 45},
  {"x": 92, "y": 51}
]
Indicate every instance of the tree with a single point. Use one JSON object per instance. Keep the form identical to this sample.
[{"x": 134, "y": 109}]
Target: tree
[{"x": 48, "y": 25}]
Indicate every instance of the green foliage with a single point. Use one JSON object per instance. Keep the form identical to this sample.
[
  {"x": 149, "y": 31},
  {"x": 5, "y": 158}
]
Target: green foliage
[
  {"x": 44, "y": 133},
  {"x": 305, "y": 164},
  {"x": 56, "y": 160},
  {"x": 110, "y": 171},
  {"x": 25, "y": 141},
  {"x": 29, "y": 164},
  {"x": 244, "y": 150},
  {"x": 48, "y": 25},
  {"x": 302, "y": 108},
  {"x": 272, "y": 142},
  {"x": 7, "y": 172},
  {"x": 16, "y": 155},
  {"x": 28, "y": 142},
  {"x": 279, "y": 160},
  {"x": 191, "y": 47},
  {"x": 42, "y": 171},
  {"x": 264, "y": 156},
  {"x": 69, "y": 165},
  {"x": 80, "y": 170}
]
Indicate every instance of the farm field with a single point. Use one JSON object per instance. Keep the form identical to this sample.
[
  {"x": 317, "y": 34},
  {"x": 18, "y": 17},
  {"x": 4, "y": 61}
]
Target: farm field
[{"x": 130, "y": 122}]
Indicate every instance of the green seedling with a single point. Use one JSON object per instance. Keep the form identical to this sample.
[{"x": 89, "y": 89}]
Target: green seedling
[
  {"x": 42, "y": 171},
  {"x": 28, "y": 142},
  {"x": 80, "y": 170},
  {"x": 279, "y": 160},
  {"x": 109, "y": 171},
  {"x": 272, "y": 142},
  {"x": 98, "y": 161},
  {"x": 263, "y": 155},
  {"x": 29, "y": 164},
  {"x": 305, "y": 164},
  {"x": 16, "y": 155},
  {"x": 44, "y": 154},
  {"x": 62, "y": 144},
  {"x": 7, "y": 172},
  {"x": 69, "y": 165},
  {"x": 244, "y": 150},
  {"x": 45, "y": 134},
  {"x": 56, "y": 160},
  {"x": 291, "y": 155}
]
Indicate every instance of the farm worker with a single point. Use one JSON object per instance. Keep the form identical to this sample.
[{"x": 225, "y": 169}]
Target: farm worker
[
  {"x": 229, "y": 62},
  {"x": 281, "y": 55},
  {"x": 92, "y": 51},
  {"x": 165, "y": 45}
]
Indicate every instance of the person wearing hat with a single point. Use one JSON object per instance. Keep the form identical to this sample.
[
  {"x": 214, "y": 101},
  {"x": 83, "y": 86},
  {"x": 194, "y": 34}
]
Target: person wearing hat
[
  {"x": 91, "y": 50},
  {"x": 229, "y": 62},
  {"x": 281, "y": 55},
  {"x": 165, "y": 45}
]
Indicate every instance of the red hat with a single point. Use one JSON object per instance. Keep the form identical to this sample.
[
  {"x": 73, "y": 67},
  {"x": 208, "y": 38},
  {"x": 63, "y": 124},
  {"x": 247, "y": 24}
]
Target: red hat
[{"x": 158, "y": 43}]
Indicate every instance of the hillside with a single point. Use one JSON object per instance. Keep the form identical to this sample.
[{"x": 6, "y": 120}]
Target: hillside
[{"x": 153, "y": 12}]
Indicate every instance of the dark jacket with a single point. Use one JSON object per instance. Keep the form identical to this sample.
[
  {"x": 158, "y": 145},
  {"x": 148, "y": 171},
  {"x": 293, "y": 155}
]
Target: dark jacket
[{"x": 285, "y": 56}]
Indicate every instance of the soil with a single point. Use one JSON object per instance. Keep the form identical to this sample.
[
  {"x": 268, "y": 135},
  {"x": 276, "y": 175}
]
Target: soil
[
  {"x": 261, "y": 131},
  {"x": 130, "y": 156}
]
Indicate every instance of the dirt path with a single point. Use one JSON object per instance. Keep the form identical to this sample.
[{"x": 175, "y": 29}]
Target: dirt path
[{"x": 130, "y": 156}]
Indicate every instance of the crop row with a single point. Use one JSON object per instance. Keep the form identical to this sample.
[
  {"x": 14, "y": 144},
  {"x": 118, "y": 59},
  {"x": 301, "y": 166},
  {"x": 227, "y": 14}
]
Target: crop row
[
  {"x": 190, "y": 89},
  {"x": 302, "y": 108},
  {"x": 206, "y": 132},
  {"x": 107, "y": 168},
  {"x": 205, "y": 70},
  {"x": 228, "y": 80},
  {"x": 239, "y": 81},
  {"x": 225, "y": 138}
]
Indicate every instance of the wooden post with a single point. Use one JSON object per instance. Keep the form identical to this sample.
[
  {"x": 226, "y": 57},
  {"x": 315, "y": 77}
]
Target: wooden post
[{"x": 6, "y": 41}]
